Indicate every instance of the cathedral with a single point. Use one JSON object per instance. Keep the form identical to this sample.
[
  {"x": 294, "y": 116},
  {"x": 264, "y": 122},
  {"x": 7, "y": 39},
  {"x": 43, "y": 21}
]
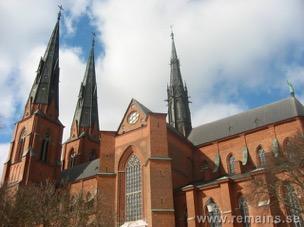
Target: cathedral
[{"x": 156, "y": 169}]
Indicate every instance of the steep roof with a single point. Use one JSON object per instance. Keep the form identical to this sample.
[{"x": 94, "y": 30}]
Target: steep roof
[
  {"x": 249, "y": 120},
  {"x": 143, "y": 108},
  {"x": 46, "y": 85},
  {"x": 86, "y": 113},
  {"x": 82, "y": 171}
]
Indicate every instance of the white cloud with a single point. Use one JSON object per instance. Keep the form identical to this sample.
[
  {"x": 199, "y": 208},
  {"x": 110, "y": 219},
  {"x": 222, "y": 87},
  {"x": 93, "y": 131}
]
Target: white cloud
[
  {"x": 223, "y": 46},
  {"x": 71, "y": 74},
  {"x": 215, "y": 111}
]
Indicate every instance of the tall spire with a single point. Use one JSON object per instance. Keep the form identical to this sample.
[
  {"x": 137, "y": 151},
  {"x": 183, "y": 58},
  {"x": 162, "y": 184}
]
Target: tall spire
[
  {"x": 178, "y": 100},
  {"x": 175, "y": 76},
  {"x": 45, "y": 89},
  {"x": 86, "y": 113}
]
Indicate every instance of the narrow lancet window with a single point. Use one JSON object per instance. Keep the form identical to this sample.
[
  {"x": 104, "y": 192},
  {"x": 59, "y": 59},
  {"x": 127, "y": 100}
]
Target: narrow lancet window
[{"x": 45, "y": 148}]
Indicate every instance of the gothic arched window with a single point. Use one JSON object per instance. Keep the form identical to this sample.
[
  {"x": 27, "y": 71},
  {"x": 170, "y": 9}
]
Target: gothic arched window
[
  {"x": 44, "y": 148},
  {"x": 231, "y": 164},
  {"x": 293, "y": 206},
  {"x": 261, "y": 157},
  {"x": 244, "y": 212},
  {"x": 133, "y": 189},
  {"x": 20, "y": 148},
  {"x": 213, "y": 213},
  {"x": 72, "y": 161}
]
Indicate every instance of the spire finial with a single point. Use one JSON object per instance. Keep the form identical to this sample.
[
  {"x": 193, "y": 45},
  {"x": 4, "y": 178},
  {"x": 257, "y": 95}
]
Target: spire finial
[
  {"x": 291, "y": 88},
  {"x": 93, "y": 39},
  {"x": 172, "y": 34},
  {"x": 59, "y": 13}
]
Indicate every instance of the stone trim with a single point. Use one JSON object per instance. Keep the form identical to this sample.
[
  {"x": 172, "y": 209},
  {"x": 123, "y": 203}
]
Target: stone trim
[
  {"x": 160, "y": 158},
  {"x": 191, "y": 218},
  {"x": 162, "y": 210},
  {"x": 107, "y": 174}
]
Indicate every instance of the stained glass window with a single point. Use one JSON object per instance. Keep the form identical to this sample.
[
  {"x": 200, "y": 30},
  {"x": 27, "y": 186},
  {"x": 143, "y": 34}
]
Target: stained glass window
[{"x": 133, "y": 189}]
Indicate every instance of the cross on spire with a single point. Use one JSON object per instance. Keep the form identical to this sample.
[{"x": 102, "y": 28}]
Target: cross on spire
[{"x": 60, "y": 10}]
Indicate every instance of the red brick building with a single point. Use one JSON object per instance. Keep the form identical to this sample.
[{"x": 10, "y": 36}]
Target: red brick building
[{"x": 150, "y": 171}]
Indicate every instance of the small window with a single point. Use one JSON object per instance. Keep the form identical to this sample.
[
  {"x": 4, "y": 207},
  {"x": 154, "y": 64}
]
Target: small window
[
  {"x": 204, "y": 166},
  {"x": 231, "y": 164},
  {"x": 92, "y": 155},
  {"x": 20, "y": 148},
  {"x": 213, "y": 213},
  {"x": 72, "y": 161},
  {"x": 261, "y": 157},
  {"x": 44, "y": 149},
  {"x": 244, "y": 212}
]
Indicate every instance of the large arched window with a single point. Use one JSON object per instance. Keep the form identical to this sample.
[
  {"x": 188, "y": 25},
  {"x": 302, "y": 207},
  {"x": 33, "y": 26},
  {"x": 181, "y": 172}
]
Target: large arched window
[
  {"x": 20, "y": 148},
  {"x": 133, "y": 189},
  {"x": 45, "y": 148},
  {"x": 214, "y": 214},
  {"x": 231, "y": 164},
  {"x": 293, "y": 207},
  {"x": 244, "y": 212},
  {"x": 261, "y": 157}
]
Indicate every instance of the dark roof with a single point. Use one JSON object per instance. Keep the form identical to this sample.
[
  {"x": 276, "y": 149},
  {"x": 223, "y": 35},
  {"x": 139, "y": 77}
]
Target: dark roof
[
  {"x": 143, "y": 108},
  {"x": 249, "y": 120},
  {"x": 46, "y": 85},
  {"x": 80, "y": 171}
]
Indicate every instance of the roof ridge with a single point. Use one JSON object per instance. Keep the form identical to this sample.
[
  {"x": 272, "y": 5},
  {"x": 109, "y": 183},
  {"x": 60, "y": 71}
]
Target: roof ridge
[
  {"x": 253, "y": 109},
  {"x": 248, "y": 120}
]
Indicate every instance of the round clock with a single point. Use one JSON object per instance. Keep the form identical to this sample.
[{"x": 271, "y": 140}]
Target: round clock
[{"x": 133, "y": 117}]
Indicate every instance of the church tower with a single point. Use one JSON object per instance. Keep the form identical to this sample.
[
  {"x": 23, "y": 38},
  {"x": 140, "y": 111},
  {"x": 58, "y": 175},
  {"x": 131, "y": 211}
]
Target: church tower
[
  {"x": 178, "y": 100},
  {"x": 35, "y": 150},
  {"x": 83, "y": 144}
]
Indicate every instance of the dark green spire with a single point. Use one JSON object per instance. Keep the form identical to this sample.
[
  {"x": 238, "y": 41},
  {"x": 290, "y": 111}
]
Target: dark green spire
[
  {"x": 45, "y": 89},
  {"x": 178, "y": 100},
  {"x": 86, "y": 113}
]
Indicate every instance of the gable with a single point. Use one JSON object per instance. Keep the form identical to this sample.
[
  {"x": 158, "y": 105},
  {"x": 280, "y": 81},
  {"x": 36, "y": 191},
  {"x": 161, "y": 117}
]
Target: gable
[{"x": 135, "y": 117}]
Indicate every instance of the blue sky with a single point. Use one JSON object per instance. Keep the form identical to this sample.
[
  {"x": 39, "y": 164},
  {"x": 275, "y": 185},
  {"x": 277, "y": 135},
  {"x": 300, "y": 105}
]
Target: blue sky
[{"x": 234, "y": 55}]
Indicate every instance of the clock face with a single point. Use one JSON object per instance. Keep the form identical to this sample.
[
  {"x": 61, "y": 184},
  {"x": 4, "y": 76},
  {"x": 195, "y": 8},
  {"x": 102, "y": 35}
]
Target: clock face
[{"x": 133, "y": 117}]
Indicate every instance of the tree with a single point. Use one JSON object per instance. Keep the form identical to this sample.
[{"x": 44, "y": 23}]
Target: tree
[
  {"x": 43, "y": 204},
  {"x": 283, "y": 179}
]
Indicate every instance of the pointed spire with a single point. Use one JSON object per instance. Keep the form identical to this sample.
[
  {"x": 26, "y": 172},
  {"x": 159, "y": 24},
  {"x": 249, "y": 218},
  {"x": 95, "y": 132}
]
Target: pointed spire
[
  {"x": 45, "y": 89},
  {"x": 86, "y": 113},
  {"x": 175, "y": 77},
  {"x": 178, "y": 100}
]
